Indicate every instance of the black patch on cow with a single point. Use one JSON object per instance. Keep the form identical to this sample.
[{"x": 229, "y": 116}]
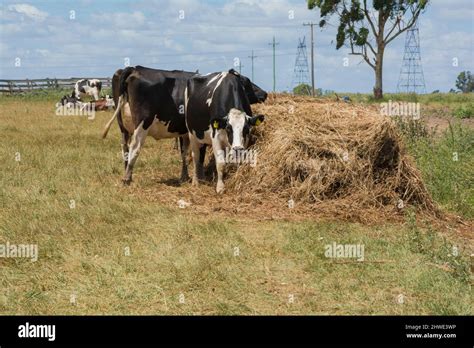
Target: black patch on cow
[
  {"x": 154, "y": 94},
  {"x": 81, "y": 84}
]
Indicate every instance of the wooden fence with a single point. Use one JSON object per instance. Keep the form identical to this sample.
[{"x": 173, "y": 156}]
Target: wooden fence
[{"x": 22, "y": 86}]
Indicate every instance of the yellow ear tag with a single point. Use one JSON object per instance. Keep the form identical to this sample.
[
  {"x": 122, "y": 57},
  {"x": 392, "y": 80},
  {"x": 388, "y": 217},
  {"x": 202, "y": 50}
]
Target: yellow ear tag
[
  {"x": 215, "y": 125},
  {"x": 257, "y": 123}
]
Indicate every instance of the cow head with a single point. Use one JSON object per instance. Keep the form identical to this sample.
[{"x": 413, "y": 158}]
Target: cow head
[
  {"x": 235, "y": 128},
  {"x": 254, "y": 93}
]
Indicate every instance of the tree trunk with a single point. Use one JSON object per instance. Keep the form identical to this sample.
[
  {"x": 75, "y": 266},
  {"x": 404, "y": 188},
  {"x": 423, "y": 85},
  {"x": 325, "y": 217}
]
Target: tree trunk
[{"x": 378, "y": 89}]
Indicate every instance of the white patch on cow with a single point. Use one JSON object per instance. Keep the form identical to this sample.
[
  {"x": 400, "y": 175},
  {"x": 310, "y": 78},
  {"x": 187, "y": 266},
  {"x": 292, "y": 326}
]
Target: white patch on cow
[
  {"x": 109, "y": 102},
  {"x": 127, "y": 118},
  {"x": 159, "y": 130},
  {"x": 221, "y": 77},
  {"x": 237, "y": 120},
  {"x": 214, "y": 79},
  {"x": 186, "y": 99},
  {"x": 138, "y": 139}
]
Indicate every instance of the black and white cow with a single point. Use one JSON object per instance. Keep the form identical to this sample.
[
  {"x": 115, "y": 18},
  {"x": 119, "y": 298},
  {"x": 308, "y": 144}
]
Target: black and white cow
[
  {"x": 86, "y": 87},
  {"x": 218, "y": 113},
  {"x": 151, "y": 102}
]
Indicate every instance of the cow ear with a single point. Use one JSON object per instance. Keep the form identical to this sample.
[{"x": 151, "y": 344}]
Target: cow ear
[{"x": 257, "y": 120}]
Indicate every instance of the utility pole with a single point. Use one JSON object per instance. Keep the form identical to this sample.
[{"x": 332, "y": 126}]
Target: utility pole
[
  {"x": 240, "y": 67},
  {"x": 252, "y": 57},
  {"x": 311, "y": 24},
  {"x": 274, "y": 73}
]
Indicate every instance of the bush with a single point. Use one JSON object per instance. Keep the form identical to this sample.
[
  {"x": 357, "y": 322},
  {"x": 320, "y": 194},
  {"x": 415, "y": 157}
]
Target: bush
[
  {"x": 464, "y": 111},
  {"x": 302, "y": 89},
  {"x": 447, "y": 166}
]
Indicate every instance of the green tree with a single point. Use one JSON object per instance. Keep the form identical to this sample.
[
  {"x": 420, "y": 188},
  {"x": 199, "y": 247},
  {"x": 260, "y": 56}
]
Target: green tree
[
  {"x": 368, "y": 30},
  {"x": 302, "y": 89},
  {"x": 465, "y": 82}
]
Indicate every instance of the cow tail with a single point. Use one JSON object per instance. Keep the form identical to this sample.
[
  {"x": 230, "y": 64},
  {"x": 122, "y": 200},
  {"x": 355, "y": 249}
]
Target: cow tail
[
  {"x": 109, "y": 124},
  {"x": 123, "y": 80}
]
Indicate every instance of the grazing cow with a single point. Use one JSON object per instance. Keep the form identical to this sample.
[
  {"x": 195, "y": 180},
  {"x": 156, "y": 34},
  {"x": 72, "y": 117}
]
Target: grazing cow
[
  {"x": 86, "y": 87},
  {"x": 218, "y": 113},
  {"x": 151, "y": 102}
]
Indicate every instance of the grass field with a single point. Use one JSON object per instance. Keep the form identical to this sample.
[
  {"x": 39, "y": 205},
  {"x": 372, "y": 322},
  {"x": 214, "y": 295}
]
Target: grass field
[{"x": 109, "y": 249}]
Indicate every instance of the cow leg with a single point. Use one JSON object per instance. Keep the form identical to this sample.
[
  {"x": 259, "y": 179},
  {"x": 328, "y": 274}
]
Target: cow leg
[
  {"x": 184, "y": 146},
  {"x": 138, "y": 139},
  {"x": 219, "y": 156},
  {"x": 125, "y": 141},
  {"x": 202, "y": 157},
  {"x": 195, "y": 149}
]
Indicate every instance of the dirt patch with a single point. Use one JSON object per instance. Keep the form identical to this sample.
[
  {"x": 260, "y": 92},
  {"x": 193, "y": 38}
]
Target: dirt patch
[{"x": 437, "y": 125}]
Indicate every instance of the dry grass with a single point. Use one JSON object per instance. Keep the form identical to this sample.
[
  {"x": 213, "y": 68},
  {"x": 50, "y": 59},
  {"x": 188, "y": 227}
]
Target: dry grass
[
  {"x": 332, "y": 156},
  {"x": 191, "y": 251}
]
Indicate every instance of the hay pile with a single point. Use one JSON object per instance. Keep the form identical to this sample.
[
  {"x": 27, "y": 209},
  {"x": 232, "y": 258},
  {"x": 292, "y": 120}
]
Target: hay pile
[{"x": 342, "y": 158}]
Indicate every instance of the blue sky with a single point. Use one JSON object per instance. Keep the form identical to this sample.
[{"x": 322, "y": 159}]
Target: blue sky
[{"x": 103, "y": 34}]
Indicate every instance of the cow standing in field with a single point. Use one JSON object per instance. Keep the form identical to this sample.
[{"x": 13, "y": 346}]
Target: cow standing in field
[
  {"x": 149, "y": 102},
  {"x": 85, "y": 87},
  {"x": 218, "y": 113}
]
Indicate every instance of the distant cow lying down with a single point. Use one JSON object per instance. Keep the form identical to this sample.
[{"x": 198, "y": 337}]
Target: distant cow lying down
[{"x": 106, "y": 103}]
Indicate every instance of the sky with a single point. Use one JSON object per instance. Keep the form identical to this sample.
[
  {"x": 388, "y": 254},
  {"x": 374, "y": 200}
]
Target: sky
[{"x": 86, "y": 38}]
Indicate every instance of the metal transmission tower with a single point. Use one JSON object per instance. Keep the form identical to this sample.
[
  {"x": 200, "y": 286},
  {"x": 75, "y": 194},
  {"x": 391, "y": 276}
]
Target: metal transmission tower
[
  {"x": 301, "y": 71},
  {"x": 411, "y": 78}
]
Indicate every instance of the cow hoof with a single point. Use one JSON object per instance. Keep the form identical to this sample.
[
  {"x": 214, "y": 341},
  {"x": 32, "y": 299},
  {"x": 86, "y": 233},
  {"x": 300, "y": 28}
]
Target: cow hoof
[
  {"x": 126, "y": 181},
  {"x": 195, "y": 181},
  {"x": 185, "y": 178},
  {"x": 220, "y": 189}
]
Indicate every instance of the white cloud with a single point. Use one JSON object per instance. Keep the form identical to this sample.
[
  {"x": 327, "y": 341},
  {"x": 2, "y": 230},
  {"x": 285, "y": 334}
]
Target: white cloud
[
  {"x": 29, "y": 11},
  {"x": 120, "y": 19}
]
